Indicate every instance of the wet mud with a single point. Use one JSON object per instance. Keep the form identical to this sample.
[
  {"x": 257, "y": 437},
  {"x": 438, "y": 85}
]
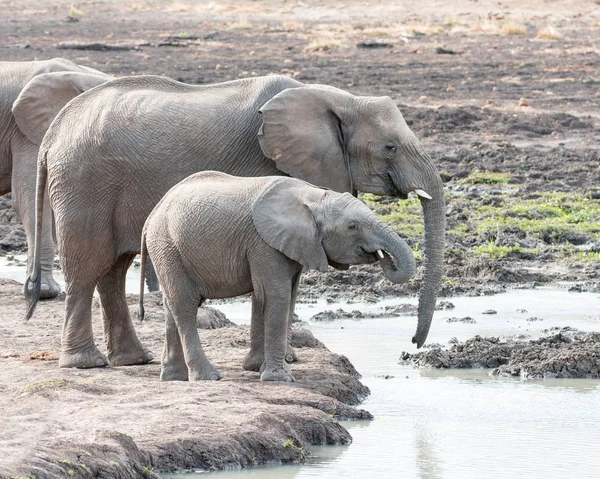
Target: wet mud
[{"x": 566, "y": 353}]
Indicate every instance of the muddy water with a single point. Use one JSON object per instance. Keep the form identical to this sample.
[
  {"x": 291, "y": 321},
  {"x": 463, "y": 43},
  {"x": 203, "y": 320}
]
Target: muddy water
[{"x": 453, "y": 423}]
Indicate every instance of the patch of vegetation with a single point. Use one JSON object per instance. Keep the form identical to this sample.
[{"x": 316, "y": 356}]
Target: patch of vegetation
[
  {"x": 405, "y": 216},
  {"x": 550, "y": 217},
  {"x": 549, "y": 33},
  {"x": 514, "y": 28},
  {"x": 477, "y": 177},
  {"x": 47, "y": 384},
  {"x": 291, "y": 443},
  {"x": 496, "y": 252}
]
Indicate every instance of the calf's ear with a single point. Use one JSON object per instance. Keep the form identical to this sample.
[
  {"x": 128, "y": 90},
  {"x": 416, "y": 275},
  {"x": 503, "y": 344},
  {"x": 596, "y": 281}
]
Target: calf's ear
[{"x": 285, "y": 222}]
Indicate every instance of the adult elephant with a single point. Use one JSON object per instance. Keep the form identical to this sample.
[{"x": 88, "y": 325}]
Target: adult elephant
[
  {"x": 18, "y": 154},
  {"x": 113, "y": 152}
]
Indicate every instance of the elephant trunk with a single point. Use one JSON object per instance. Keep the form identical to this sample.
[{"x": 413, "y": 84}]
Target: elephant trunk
[
  {"x": 434, "y": 215},
  {"x": 397, "y": 259}
]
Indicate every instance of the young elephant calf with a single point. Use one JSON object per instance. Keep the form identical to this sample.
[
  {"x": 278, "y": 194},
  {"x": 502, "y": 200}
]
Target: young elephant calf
[{"x": 217, "y": 236}]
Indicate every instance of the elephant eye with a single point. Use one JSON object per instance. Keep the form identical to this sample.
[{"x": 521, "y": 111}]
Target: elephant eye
[
  {"x": 391, "y": 146},
  {"x": 353, "y": 226}
]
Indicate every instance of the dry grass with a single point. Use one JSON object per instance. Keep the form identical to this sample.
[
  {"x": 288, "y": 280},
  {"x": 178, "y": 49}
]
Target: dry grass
[
  {"x": 292, "y": 25},
  {"x": 322, "y": 42},
  {"x": 513, "y": 28},
  {"x": 241, "y": 25},
  {"x": 486, "y": 26},
  {"x": 549, "y": 33}
]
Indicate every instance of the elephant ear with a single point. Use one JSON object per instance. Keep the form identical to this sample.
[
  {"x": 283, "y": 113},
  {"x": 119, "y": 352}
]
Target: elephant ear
[
  {"x": 285, "y": 222},
  {"x": 302, "y": 133},
  {"x": 45, "y": 95}
]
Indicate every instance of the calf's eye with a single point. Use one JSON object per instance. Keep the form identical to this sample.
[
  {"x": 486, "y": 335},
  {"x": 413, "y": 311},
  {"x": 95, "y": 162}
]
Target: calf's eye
[{"x": 391, "y": 146}]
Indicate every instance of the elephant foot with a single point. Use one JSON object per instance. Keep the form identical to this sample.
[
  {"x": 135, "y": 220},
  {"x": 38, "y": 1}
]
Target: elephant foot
[
  {"x": 291, "y": 356},
  {"x": 253, "y": 361},
  {"x": 207, "y": 373},
  {"x": 174, "y": 373},
  {"x": 49, "y": 288},
  {"x": 86, "y": 358},
  {"x": 133, "y": 357},
  {"x": 277, "y": 373}
]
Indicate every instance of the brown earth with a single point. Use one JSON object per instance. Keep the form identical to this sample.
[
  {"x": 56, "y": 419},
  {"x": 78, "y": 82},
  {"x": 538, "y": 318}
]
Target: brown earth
[
  {"x": 495, "y": 86},
  {"x": 123, "y": 422},
  {"x": 501, "y": 86}
]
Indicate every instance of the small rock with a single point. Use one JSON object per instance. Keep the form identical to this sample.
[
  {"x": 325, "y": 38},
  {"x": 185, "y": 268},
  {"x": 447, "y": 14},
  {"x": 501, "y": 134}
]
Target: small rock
[
  {"x": 534, "y": 318},
  {"x": 523, "y": 102},
  {"x": 444, "y": 51},
  {"x": 490, "y": 311},
  {"x": 218, "y": 67},
  {"x": 466, "y": 319},
  {"x": 450, "y": 90},
  {"x": 444, "y": 305},
  {"x": 521, "y": 311},
  {"x": 423, "y": 98}
]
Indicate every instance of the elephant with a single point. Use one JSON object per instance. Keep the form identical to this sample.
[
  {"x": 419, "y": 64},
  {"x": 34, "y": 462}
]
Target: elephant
[
  {"x": 18, "y": 153},
  {"x": 215, "y": 236},
  {"x": 114, "y": 151}
]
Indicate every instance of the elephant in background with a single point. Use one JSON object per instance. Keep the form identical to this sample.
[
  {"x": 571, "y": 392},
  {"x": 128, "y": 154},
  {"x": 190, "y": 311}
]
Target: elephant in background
[
  {"x": 114, "y": 151},
  {"x": 20, "y": 139},
  {"x": 217, "y": 236}
]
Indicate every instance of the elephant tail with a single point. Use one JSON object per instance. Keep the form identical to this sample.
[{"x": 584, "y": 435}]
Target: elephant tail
[
  {"x": 32, "y": 286},
  {"x": 143, "y": 264}
]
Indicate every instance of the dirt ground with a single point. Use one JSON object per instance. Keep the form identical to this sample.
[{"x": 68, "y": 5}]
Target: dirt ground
[
  {"x": 508, "y": 90},
  {"x": 124, "y": 422}
]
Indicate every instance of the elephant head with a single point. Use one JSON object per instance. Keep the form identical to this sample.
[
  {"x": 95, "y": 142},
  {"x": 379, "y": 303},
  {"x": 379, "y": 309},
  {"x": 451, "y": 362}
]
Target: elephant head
[
  {"x": 45, "y": 95},
  {"x": 317, "y": 227},
  {"x": 350, "y": 143}
]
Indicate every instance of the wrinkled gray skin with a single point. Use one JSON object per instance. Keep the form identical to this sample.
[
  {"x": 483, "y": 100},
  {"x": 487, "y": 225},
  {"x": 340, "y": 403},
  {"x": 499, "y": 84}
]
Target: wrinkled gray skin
[
  {"x": 18, "y": 155},
  {"x": 114, "y": 151},
  {"x": 217, "y": 236}
]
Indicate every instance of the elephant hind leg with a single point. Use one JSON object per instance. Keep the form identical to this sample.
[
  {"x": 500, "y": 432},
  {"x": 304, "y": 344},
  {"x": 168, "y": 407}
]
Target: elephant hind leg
[
  {"x": 173, "y": 367},
  {"x": 78, "y": 347},
  {"x": 24, "y": 192},
  {"x": 124, "y": 347},
  {"x": 181, "y": 307}
]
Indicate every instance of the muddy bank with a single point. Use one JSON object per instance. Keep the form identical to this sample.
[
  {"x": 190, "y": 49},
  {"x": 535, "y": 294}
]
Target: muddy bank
[
  {"x": 566, "y": 353},
  {"x": 125, "y": 423}
]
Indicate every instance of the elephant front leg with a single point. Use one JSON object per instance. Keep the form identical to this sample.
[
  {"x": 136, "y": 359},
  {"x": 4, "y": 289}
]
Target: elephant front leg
[
  {"x": 124, "y": 347},
  {"x": 256, "y": 357},
  {"x": 276, "y": 308},
  {"x": 23, "y": 189},
  {"x": 291, "y": 356},
  {"x": 183, "y": 315},
  {"x": 78, "y": 348}
]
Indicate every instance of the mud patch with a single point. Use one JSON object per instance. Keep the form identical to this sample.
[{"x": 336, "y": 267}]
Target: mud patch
[{"x": 567, "y": 354}]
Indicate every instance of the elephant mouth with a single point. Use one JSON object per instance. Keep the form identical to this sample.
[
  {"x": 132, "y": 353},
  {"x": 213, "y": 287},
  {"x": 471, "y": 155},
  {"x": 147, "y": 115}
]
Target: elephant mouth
[
  {"x": 372, "y": 257},
  {"x": 395, "y": 191}
]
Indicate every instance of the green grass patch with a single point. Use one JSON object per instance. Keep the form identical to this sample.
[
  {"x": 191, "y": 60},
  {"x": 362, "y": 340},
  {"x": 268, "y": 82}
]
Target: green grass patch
[
  {"x": 405, "y": 216},
  {"x": 477, "y": 177},
  {"x": 496, "y": 252},
  {"x": 549, "y": 217}
]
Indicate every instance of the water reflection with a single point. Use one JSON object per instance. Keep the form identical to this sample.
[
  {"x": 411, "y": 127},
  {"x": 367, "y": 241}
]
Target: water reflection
[{"x": 428, "y": 464}]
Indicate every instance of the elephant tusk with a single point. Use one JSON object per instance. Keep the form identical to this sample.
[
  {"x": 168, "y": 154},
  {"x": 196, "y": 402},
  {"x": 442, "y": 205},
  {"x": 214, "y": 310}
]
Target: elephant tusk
[
  {"x": 380, "y": 254},
  {"x": 422, "y": 193}
]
